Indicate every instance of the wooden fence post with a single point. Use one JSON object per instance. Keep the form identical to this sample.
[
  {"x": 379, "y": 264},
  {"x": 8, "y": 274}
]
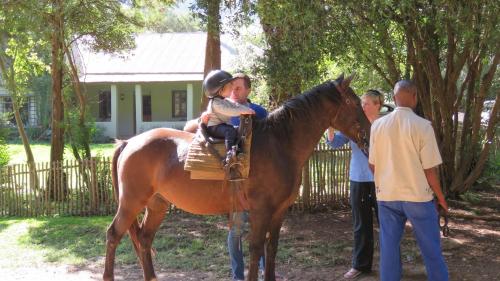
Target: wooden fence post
[{"x": 306, "y": 186}]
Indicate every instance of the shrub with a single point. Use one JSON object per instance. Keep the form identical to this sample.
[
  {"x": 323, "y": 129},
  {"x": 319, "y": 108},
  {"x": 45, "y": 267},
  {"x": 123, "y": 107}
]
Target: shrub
[
  {"x": 98, "y": 135},
  {"x": 4, "y": 152}
]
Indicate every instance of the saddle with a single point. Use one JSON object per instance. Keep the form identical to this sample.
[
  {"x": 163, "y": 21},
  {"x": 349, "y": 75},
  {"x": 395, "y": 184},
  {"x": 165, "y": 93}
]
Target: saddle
[{"x": 206, "y": 154}]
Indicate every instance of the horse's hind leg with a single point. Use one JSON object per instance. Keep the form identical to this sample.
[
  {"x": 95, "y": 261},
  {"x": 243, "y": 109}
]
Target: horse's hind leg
[
  {"x": 121, "y": 223},
  {"x": 155, "y": 212}
]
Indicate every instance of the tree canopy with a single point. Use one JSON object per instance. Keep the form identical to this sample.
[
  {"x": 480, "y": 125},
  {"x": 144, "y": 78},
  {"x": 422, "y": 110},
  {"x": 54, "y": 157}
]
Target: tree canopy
[{"x": 450, "y": 49}]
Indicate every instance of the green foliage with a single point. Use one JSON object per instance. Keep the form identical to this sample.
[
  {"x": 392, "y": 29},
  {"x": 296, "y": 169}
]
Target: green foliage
[
  {"x": 4, "y": 153},
  {"x": 102, "y": 25},
  {"x": 164, "y": 18},
  {"x": 449, "y": 48},
  {"x": 78, "y": 135},
  {"x": 4, "y": 149},
  {"x": 41, "y": 151},
  {"x": 471, "y": 197},
  {"x": 363, "y": 39},
  {"x": 491, "y": 173},
  {"x": 295, "y": 36},
  {"x": 40, "y": 87}
]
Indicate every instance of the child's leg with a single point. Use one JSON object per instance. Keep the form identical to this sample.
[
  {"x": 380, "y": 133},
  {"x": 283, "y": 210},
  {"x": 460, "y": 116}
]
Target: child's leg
[{"x": 225, "y": 131}]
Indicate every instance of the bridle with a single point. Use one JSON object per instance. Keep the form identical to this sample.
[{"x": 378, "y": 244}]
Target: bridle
[{"x": 362, "y": 134}]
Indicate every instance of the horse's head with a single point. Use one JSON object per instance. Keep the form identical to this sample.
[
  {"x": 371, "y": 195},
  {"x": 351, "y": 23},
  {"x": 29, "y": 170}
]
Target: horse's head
[{"x": 349, "y": 117}]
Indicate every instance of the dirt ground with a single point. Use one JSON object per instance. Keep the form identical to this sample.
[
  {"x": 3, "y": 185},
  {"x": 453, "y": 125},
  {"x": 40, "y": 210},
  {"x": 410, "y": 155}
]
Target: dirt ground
[{"x": 318, "y": 247}]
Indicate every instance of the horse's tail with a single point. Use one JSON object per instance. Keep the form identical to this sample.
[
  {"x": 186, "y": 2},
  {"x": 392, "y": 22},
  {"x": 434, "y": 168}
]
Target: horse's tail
[
  {"x": 134, "y": 228},
  {"x": 120, "y": 145}
]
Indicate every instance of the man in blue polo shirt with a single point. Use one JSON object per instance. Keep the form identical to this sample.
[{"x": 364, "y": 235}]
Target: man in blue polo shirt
[{"x": 241, "y": 89}]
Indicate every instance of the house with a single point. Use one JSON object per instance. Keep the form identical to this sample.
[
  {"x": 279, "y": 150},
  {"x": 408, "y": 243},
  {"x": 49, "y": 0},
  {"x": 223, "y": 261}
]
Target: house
[{"x": 158, "y": 84}]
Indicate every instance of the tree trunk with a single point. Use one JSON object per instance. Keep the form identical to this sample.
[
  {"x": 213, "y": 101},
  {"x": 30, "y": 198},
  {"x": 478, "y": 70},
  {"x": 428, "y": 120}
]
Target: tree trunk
[
  {"x": 57, "y": 141},
  {"x": 20, "y": 127},
  {"x": 212, "y": 50},
  {"x": 34, "y": 184},
  {"x": 56, "y": 179}
]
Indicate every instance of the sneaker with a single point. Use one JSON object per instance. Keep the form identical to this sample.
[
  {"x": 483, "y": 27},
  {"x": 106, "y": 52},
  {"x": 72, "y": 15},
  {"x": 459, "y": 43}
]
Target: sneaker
[{"x": 352, "y": 274}]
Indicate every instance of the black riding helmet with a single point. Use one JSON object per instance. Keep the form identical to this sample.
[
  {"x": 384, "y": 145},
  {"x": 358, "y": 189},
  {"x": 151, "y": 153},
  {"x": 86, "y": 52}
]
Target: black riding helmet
[{"x": 215, "y": 80}]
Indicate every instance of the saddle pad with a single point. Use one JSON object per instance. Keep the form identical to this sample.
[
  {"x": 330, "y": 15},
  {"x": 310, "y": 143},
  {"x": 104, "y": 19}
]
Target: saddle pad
[{"x": 204, "y": 165}]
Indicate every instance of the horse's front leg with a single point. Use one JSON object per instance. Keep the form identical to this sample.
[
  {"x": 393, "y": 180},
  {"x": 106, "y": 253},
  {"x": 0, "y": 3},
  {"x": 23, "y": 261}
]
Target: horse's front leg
[
  {"x": 272, "y": 245},
  {"x": 259, "y": 222}
]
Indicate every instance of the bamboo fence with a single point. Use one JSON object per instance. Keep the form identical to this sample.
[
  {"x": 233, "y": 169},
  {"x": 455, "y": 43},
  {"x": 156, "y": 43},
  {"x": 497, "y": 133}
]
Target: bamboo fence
[
  {"x": 84, "y": 188},
  {"x": 76, "y": 188}
]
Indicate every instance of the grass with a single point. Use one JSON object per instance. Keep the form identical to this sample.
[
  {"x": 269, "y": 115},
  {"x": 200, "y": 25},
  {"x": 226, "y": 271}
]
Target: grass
[
  {"x": 184, "y": 242},
  {"x": 41, "y": 151},
  {"x": 51, "y": 240}
]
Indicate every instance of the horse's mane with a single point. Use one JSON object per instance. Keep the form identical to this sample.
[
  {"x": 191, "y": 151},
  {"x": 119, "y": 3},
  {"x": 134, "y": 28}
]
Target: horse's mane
[{"x": 282, "y": 119}]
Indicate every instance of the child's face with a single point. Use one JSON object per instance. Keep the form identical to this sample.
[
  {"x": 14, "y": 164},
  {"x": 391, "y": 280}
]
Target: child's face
[{"x": 226, "y": 90}]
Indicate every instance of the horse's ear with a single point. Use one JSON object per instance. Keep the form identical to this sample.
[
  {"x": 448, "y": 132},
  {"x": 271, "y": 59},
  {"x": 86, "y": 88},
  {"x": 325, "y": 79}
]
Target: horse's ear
[
  {"x": 346, "y": 82},
  {"x": 341, "y": 77},
  {"x": 351, "y": 77}
]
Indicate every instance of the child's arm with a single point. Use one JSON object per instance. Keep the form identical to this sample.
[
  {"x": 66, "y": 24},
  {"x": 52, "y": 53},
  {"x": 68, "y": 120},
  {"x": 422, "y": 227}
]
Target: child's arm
[
  {"x": 205, "y": 116},
  {"x": 229, "y": 108}
]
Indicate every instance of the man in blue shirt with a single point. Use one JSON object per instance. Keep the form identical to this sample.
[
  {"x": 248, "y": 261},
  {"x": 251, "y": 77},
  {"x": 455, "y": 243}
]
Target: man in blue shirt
[{"x": 241, "y": 89}]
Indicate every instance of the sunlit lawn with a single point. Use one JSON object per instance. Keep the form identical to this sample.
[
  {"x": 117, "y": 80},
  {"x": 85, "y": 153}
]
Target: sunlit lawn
[
  {"x": 184, "y": 242},
  {"x": 41, "y": 152}
]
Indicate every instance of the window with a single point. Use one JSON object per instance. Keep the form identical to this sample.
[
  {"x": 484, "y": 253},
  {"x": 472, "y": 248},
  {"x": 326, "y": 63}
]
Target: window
[
  {"x": 146, "y": 108},
  {"x": 105, "y": 106},
  {"x": 179, "y": 104},
  {"x": 32, "y": 111},
  {"x": 7, "y": 111}
]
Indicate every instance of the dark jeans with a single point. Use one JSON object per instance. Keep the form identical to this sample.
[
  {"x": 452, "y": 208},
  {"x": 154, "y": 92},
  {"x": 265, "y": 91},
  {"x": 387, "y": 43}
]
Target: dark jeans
[
  {"x": 363, "y": 203},
  {"x": 235, "y": 246},
  {"x": 226, "y": 132}
]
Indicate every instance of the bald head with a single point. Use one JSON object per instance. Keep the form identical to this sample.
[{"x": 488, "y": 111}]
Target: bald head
[{"x": 405, "y": 94}]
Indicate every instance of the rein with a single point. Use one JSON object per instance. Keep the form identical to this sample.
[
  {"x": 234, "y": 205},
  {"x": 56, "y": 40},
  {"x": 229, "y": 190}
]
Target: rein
[{"x": 444, "y": 227}]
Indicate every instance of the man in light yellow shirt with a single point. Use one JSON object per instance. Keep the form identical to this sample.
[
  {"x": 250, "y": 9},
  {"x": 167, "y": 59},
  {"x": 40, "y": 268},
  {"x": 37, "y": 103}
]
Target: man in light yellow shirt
[{"x": 404, "y": 156}]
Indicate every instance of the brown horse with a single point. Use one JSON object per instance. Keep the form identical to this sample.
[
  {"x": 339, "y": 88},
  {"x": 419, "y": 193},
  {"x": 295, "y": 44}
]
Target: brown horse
[{"x": 148, "y": 173}]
